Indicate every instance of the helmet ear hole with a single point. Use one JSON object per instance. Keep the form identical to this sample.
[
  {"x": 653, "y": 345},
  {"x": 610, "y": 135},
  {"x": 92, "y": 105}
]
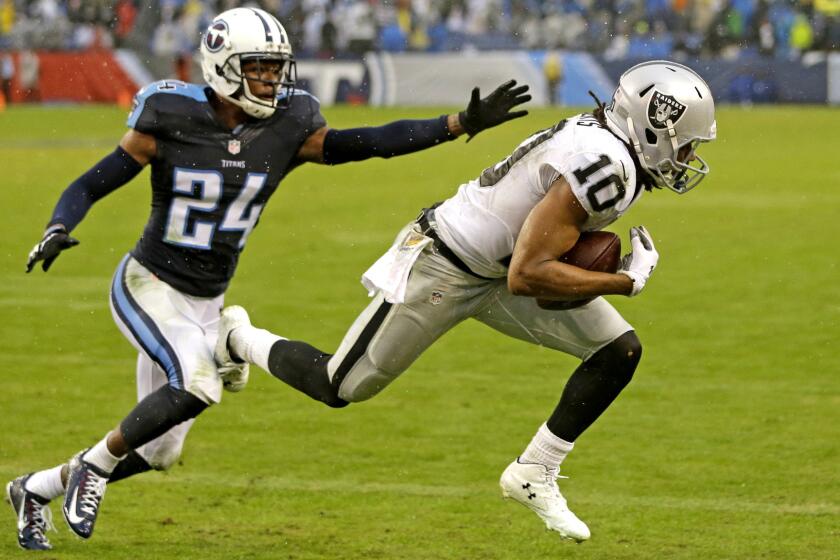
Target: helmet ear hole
[
  {"x": 650, "y": 136},
  {"x": 219, "y": 71}
]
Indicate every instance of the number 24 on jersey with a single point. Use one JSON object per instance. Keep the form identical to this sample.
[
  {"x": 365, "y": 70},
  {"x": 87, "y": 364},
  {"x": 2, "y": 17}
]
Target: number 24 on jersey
[{"x": 241, "y": 214}]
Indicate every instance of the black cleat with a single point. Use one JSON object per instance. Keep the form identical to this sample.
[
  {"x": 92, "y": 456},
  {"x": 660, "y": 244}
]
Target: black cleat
[
  {"x": 33, "y": 513},
  {"x": 85, "y": 489}
]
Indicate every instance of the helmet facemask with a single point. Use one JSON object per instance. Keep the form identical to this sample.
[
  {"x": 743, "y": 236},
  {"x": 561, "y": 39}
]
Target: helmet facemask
[
  {"x": 231, "y": 70},
  {"x": 679, "y": 172}
]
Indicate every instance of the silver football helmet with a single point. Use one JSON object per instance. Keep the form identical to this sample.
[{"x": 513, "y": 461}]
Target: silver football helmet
[
  {"x": 244, "y": 34},
  {"x": 664, "y": 110}
]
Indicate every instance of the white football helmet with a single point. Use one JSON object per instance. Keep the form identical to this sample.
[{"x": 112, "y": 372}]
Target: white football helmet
[
  {"x": 244, "y": 34},
  {"x": 659, "y": 108}
]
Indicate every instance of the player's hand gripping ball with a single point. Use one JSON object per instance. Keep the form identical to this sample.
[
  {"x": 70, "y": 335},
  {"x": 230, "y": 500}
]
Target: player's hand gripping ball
[{"x": 598, "y": 251}]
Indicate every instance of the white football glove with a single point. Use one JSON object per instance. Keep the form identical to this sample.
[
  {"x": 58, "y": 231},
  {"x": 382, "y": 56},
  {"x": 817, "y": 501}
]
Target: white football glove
[
  {"x": 639, "y": 264},
  {"x": 235, "y": 377}
]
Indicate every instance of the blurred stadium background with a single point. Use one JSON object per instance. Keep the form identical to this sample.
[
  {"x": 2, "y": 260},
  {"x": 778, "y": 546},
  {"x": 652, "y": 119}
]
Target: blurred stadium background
[
  {"x": 409, "y": 52},
  {"x": 724, "y": 446}
]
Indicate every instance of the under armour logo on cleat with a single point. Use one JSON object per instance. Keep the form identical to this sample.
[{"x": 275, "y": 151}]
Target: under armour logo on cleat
[{"x": 527, "y": 486}]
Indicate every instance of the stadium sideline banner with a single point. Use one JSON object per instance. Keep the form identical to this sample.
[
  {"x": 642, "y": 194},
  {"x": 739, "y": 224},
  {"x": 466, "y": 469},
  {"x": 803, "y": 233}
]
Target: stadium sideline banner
[
  {"x": 445, "y": 79},
  {"x": 423, "y": 79},
  {"x": 75, "y": 77},
  {"x": 834, "y": 78},
  {"x": 436, "y": 79}
]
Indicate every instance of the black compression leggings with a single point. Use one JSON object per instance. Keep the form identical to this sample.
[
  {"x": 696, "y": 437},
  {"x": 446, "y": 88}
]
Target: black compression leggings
[{"x": 594, "y": 386}]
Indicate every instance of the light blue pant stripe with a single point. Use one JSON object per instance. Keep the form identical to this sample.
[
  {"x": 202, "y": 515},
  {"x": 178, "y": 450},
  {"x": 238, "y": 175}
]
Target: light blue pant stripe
[{"x": 144, "y": 329}]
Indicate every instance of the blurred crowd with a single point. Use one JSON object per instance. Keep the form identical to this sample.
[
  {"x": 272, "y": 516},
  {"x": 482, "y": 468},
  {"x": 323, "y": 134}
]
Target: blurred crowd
[
  {"x": 346, "y": 28},
  {"x": 65, "y": 24}
]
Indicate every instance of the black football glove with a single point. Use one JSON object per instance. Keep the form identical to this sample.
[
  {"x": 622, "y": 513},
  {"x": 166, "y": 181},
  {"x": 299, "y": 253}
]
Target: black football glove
[
  {"x": 53, "y": 243},
  {"x": 494, "y": 109}
]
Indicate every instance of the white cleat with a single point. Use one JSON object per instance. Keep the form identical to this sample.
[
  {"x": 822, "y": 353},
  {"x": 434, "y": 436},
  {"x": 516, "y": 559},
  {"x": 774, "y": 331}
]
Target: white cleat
[
  {"x": 234, "y": 373},
  {"x": 535, "y": 487}
]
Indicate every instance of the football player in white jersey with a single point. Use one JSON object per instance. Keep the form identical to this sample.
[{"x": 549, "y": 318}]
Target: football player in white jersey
[{"x": 492, "y": 249}]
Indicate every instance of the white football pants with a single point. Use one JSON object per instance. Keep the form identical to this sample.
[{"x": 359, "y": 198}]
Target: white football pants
[
  {"x": 386, "y": 338},
  {"x": 175, "y": 334}
]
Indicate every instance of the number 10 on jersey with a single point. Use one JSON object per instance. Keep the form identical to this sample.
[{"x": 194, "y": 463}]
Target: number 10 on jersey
[{"x": 241, "y": 214}]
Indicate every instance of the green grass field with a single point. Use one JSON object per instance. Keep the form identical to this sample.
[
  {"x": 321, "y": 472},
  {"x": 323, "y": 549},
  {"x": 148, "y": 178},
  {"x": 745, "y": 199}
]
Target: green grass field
[{"x": 725, "y": 445}]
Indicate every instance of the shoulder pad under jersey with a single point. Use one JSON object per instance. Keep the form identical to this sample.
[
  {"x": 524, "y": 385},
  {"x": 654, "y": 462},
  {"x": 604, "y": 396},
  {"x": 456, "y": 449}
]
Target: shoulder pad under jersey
[
  {"x": 156, "y": 100},
  {"x": 304, "y": 107}
]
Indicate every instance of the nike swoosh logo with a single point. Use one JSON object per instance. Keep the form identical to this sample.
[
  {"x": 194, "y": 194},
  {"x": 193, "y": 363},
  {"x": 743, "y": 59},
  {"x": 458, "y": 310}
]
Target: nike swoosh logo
[{"x": 70, "y": 513}]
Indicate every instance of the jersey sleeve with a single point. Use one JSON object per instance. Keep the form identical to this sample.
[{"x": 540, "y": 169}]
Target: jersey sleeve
[{"x": 597, "y": 181}]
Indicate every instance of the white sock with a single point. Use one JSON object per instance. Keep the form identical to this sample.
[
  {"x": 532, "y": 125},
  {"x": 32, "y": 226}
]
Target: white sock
[
  {"x": 100, "y": 456},
  {"x": 46, "y": 484},
  {"x": 252, "y": 344},
  {"x": 546, "y": 449}
]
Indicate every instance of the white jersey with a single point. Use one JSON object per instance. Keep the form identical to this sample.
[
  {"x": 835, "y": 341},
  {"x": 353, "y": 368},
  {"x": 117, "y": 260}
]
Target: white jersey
[{"x": 482, "y": 221}]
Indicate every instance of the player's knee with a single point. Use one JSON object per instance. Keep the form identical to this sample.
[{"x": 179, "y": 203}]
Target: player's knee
[
  {"x": 624, "y": 354},
  {"x": 334, "y": 401},
  {"x": 185, "y": 406},
  {"x": 357, "y": 388},
  {"x": 164, "y": 451},
  {"x": 164, "y": 457},
  {"x": 629, "y": 347},
  {"x": 367, "y": 379},
  {"x": 159, "y": 412}
]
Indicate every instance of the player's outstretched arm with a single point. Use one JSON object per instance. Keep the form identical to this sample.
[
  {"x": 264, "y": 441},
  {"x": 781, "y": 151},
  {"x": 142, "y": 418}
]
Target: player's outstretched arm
[
  {"x": 332, "y": 146},
  {"x": 549, "y": 231},
  {"x": 111, "y": 172}
]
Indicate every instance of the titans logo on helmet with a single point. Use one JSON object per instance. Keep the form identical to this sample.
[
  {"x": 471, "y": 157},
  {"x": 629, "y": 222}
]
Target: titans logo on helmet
[{"x": 214, "y": 40}]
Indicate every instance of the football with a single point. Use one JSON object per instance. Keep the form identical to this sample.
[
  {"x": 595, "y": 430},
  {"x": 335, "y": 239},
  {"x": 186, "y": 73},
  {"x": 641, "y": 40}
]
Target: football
[{"x": 599, "y": 251}]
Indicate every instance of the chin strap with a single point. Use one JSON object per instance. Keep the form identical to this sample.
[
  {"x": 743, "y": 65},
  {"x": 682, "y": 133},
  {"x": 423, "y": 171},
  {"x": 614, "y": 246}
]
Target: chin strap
[
  {"x": 637, "y": 145},
  {"x": 672, "y": 134},
  {"x": 640, "y": 156}
]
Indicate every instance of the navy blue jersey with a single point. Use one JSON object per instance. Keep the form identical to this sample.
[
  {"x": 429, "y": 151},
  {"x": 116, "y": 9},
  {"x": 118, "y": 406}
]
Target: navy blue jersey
[{"x": 209, "y": 184}]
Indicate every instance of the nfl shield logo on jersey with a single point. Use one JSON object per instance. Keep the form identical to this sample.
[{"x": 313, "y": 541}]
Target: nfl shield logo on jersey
[
  {"x": 234, "y": 146},
  {"x": 663, "y": 108}
]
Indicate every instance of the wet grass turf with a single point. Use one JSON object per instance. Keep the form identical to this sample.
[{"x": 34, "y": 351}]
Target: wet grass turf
[{"x": 723, "y": 446}]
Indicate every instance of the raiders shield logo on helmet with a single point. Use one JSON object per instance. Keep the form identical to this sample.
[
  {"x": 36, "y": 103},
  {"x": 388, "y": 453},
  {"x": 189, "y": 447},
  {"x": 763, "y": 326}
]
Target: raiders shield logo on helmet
[{"x": 663, "y": 108}]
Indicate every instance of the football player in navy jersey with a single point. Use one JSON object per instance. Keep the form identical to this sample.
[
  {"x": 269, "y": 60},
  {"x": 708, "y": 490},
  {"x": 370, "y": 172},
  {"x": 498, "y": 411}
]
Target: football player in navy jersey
[{"x": 217, "y": 154}]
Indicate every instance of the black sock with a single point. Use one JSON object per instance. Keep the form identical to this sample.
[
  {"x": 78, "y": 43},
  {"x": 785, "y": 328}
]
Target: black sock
[
  {"x": 132, "y": 464},
  {"x": 594, "y": 386},
  {"x": 304, "y": 368},
  {"x": 159, "y": 412}
]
